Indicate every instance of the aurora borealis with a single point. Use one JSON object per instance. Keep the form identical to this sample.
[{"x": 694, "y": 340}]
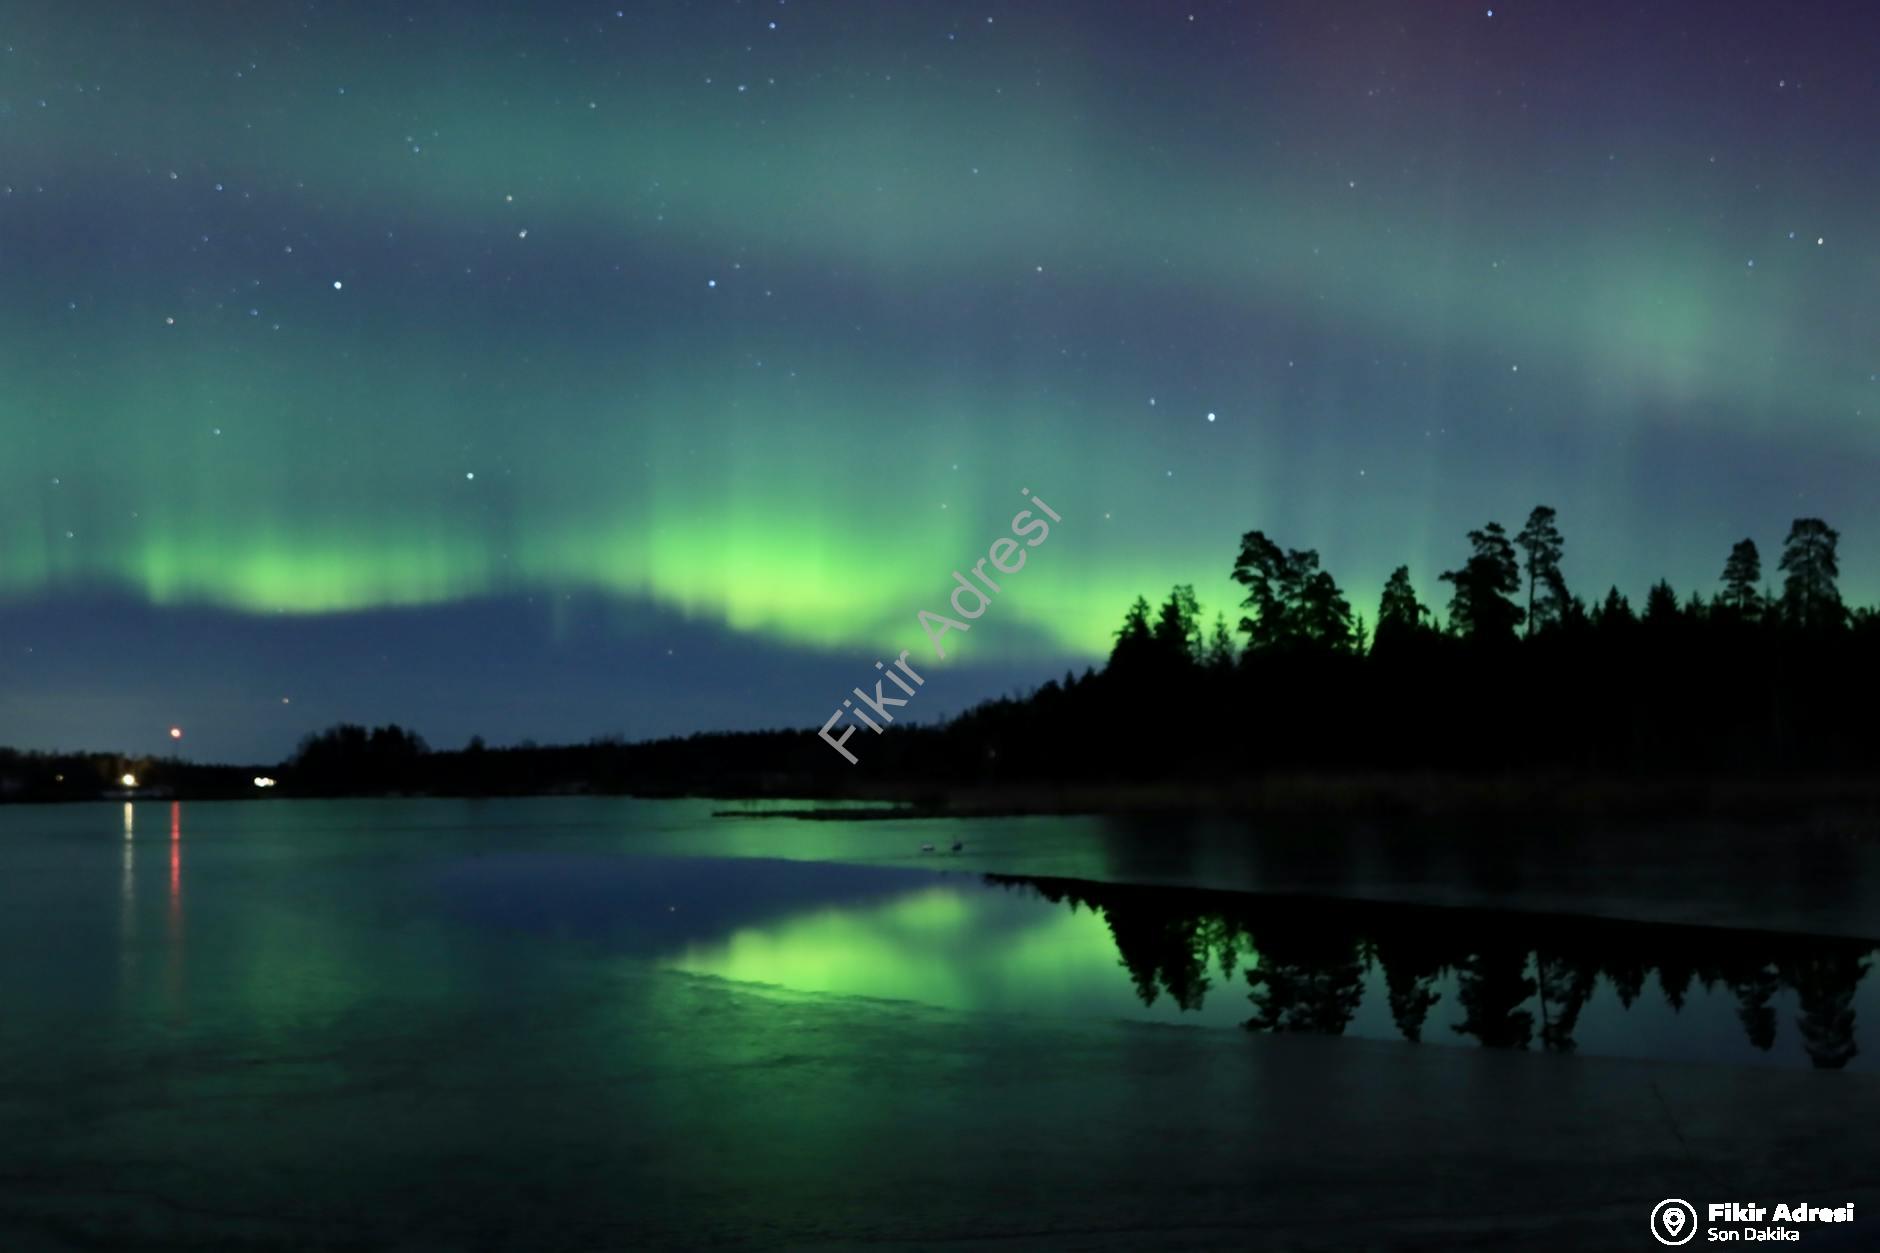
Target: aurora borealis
[{"x": 562, "y": 369}]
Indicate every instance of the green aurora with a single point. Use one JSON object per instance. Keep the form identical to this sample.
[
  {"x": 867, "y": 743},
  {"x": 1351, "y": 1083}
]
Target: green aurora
[{"x": 767, "y": 325}]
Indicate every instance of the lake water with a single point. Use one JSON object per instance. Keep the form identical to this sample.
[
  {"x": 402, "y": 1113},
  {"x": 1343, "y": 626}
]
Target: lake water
[{"x": 300, "y": 1000}]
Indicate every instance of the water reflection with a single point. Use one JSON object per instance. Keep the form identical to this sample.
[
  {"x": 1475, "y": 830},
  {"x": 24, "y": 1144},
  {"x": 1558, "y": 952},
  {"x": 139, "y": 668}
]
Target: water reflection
[
  {"x": 136, "y": 935},
  {"x": 173, "y": 967},
  {"x": 1517, "y": 980},
  {"x": 129, "y": 888},
  {"x": 127, "y": 901}
]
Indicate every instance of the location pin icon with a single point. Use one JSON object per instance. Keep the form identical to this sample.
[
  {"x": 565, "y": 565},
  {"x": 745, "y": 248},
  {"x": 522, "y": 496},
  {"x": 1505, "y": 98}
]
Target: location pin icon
[{"x": 1674, "y": 1220}]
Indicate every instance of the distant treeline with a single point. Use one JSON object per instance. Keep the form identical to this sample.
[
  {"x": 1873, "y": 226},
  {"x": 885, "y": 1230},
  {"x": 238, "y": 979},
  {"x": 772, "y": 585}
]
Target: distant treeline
[
  {"x": 31, "y": 776},
  {"x": 350, "y": 760},
  {"x": 1521, "y": 674}
]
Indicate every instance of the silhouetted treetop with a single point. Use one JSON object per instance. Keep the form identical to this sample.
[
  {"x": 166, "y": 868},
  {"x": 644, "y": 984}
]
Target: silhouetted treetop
[
  {"x": 1742, "y": 574},
  {"x": 1811, "y": 597},
  {"x": 1481, "y": 608},
  {"x": 1400, "y": 616},
  {"x": 1295, "y": 604},
  {"x": 1541, "y": 542}
]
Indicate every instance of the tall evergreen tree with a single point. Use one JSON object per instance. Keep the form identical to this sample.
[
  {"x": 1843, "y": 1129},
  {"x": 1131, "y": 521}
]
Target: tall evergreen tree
[
  {"x": 1177, "y": 630},
  {"x": 1399, "y": 615},
  {"x": 1614, "y": 612},
  {"x": 1661, "y": 606},
  {"x": 1135, "y": 641},
  {"x": 1221, "y": 653},
  {"x": 1811, "y": 597},
  {"x": 1482, "y": 608},
  {"x": 1741, "y": 573},
  {"x": 1294, "y": 602},
  {"x": 1541, "y": 543},
  {"x": 1265, "y": 571},
  {"x": 1323, "y": 616}
]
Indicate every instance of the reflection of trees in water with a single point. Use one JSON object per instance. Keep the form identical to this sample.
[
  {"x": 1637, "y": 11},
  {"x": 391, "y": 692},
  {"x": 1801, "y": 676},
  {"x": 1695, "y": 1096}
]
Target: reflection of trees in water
[
  {"x": 1491, "y": 986},
  {"x": 1411, "y": 971},
  {"x": 1754, "y": 990},
  {"x": 1564, "y": 984},
  {"x": 1518, "y": 978},
  {"x": 1825, "y": 982},
  {"x": 1307, "y": 981}
]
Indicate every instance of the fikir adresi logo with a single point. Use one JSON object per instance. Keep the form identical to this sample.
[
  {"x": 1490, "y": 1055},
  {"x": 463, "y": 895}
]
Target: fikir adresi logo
[{"x": 1674, "y": 1221}]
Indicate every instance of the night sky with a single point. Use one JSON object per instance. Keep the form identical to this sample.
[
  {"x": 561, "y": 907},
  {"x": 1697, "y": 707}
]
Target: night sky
[{"x": 553, "y": 370}]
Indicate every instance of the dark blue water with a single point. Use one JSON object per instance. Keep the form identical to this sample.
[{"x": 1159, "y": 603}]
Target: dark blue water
[{"x": 317, "y": 1023}]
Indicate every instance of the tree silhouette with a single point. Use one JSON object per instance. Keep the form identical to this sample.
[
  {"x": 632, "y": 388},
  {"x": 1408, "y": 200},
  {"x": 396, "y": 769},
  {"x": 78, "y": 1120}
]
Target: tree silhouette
[
  {"x": 1324, "y": 616},
  {"x": 1482, "y": 608},
  {"x": 1563, "y": 986},
  {"x": 347, "y": 757},
  {"x": 1177, "y": 631},
  {"x": 1541, "y": 543},
  {"x": 1754, "y": 989},
  {"x": 1811, "y": 597},
  {"x": 1825, "y": 984},
  {"x": 1614, "y": 613},
  {"x": 1311, "y": 959},
  {"x": 1661, "y": 607},
  {"x": 1399, "y": 615},
  {"x": 1294, "y": 603},
  {"x": 1271, "y": 580},
  {"x": 1135, "y": 642},
  {"x": 1674, "y": 980},
  {"x": 1221, "y": 653},
  {"x": 1490, "y": 986},
  {"x": 1628, "y": 980},
  {"x": 1163, "y": 950},
  {"x": 1741, "y": 573},
  {"x": 1313, "y": 983},
  {"x": 1411, "y": 969}
]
